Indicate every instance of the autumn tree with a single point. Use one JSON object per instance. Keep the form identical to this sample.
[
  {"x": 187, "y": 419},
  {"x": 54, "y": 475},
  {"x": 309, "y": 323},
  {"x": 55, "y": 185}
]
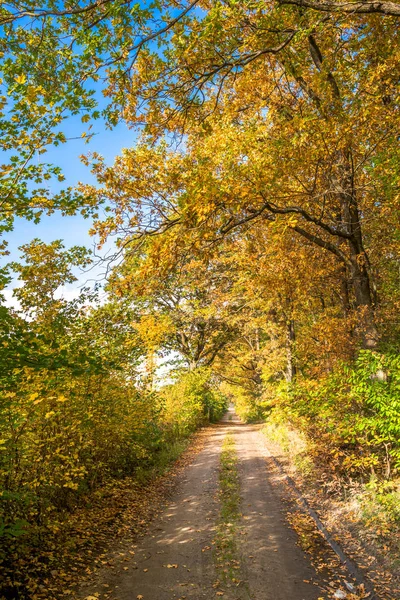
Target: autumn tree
[
  {"x": 165, "y": 65},
  {"x": 316, "y": 87},
  {"x": 56, "y": 60},
  {"x": 180, "y": 308}
]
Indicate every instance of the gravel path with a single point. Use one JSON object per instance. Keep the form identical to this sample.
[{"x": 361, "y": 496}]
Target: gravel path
[
  {"x": 175, "y": 560},
  {"x": 275, "y": 566}
]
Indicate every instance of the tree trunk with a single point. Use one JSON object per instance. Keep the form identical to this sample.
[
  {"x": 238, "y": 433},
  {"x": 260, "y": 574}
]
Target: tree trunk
[
  {"x": 358, "y": 259},
  {"x": 360, "y": 280},
  {"x": 290, "y": 340},
  {"x": 349, "y": 215},
  {"x": 344, "y": 290}
]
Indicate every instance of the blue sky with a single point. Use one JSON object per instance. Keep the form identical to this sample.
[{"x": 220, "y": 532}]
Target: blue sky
[
  {"x": 109, "y": 143},
  {"x": 73, "y": 230}
]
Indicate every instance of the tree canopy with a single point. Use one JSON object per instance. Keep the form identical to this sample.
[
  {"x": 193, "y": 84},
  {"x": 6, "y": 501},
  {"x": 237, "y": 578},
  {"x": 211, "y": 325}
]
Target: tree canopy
[{"x": 255, "y": 227}]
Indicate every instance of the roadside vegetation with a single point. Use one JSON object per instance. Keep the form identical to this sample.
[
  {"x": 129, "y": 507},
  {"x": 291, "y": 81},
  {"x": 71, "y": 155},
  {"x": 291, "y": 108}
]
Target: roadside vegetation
[
  {"x": 225, "y": 544},
  {"x": 348, "y": 456},
  {"x": 82, "y": 422}
]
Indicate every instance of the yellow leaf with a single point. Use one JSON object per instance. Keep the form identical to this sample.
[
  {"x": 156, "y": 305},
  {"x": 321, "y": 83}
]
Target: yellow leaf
[{"x": 20, "y": 78}]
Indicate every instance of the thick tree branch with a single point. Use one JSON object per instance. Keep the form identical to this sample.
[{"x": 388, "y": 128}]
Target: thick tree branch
[
  {"x": 39, "y": 13},
  {"x": 358, "y": 8},
  {"x": 318, "y": 60},
  {"x": 315, "y": 239},
  {"x": 276, "y": 210}
]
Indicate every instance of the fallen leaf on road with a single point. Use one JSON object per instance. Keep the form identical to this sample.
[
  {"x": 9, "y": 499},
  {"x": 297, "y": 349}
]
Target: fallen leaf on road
[{"x": 172, "y": 566}]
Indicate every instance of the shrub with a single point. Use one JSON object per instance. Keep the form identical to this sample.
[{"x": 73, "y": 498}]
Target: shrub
[
  {"x": 353, "y": 413},
  {"x": 191, "y": 401}
]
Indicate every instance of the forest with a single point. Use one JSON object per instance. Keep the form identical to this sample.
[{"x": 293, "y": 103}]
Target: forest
[{"x": 254, "y": 228}]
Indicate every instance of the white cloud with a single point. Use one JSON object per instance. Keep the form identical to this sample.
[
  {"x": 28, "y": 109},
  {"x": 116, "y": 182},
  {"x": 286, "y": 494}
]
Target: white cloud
[{"x": 9, "y": 300}]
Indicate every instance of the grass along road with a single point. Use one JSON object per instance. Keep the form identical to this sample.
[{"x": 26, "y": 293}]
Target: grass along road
[{"x": 226, "y": 554}]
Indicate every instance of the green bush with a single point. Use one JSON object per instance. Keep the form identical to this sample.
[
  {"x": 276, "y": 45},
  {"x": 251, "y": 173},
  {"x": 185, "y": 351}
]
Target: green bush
[
  {"x": 191, "y": 401},
  {"x": 353, "y": 413},
  {"x": 249, "y": 406}
]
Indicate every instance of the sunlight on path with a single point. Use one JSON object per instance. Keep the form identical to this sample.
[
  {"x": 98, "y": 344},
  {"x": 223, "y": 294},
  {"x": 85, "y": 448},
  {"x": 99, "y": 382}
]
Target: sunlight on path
[{"x": 175, "y": 559}]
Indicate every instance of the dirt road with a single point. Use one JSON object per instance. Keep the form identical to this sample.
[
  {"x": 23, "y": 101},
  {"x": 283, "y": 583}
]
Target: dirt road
[{"x": 175, "y": 559}]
